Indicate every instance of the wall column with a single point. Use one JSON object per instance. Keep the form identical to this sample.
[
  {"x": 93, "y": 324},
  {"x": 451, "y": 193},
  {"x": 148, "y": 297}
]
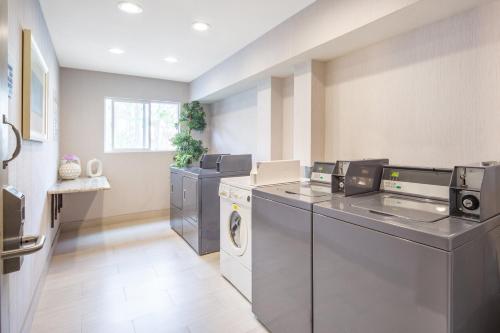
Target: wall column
[
  {"x": 309, "y": 113},
  {"x": 269, "y": 120}
]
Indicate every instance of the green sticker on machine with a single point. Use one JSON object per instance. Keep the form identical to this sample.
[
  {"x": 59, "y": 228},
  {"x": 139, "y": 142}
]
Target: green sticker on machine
[{"x": 395, "y": 174}]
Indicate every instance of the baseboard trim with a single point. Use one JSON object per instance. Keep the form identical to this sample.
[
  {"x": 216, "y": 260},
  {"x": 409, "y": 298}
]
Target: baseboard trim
[
  {"x": 30, "y": 316},
  {"x": 92, "y": 223}
]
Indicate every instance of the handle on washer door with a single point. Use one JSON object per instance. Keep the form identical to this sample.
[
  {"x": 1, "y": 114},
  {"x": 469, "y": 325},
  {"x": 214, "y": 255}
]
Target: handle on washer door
[
  {"x": 5, "y": 163},
  {"x": 235, "y": 226}
]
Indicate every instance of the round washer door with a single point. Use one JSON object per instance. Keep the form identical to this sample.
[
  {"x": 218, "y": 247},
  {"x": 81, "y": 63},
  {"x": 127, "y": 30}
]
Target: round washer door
[{"x": 238, "y": 233}]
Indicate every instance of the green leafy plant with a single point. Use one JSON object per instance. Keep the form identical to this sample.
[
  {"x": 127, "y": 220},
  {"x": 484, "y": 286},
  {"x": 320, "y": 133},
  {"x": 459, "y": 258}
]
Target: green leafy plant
[{"x": 188, "y": 149}]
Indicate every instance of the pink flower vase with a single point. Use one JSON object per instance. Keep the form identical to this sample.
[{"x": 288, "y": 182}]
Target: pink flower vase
[{"x": 70, "y": 167}]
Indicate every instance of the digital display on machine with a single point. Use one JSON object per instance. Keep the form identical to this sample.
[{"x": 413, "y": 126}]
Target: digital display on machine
[
  {"x": 323, "y": 167},
  {"x": 395, "y": 174},
  {"x": 439, "y": 177}
]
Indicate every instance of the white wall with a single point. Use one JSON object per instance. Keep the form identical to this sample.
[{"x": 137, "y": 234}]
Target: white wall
[
  {"x": 34, "y": 171},
  {"x": 287, "y": 94},
  {"x": 269, "y": 130},
  {"x": 315, "y": 25},
  {"x": 323, "y": 30},
  {"x": 276, "y": 118},
  {"x": 309, "y": 113},
  {"x": 234, "y": 127},
  {"x": 430, "y": 97},
  {"x": 233, "y": 124},
  {"x": 139, "y": 181}
]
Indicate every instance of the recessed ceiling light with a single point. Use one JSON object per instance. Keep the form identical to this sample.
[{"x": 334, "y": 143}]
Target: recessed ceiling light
[
  {"x": 171, "y": 60},
  {"x": 130, "y": 7},
  {"x": 200, "y": 26},
  {"x": 116, "y": 51}
]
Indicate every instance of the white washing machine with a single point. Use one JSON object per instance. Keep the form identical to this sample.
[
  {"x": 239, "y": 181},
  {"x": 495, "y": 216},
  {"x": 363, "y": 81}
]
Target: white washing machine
[
  {"x": 235, "y": 233},
  {"x": 236, "y": 218}
]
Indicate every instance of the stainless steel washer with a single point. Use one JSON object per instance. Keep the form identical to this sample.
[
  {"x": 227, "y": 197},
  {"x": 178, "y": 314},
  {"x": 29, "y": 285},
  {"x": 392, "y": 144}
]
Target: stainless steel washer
[
  {"x": 395, "y": 261},
  {"x": 282, "y": 241},
  {"x": 281, "y": 258}
]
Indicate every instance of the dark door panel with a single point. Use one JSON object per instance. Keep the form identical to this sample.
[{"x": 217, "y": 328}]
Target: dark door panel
[
  {"x": 176, "y": 190},
  {"x": 190, "y": 199},
  {"x": 190, "y": 234},
  {"x": 176, "y": 220},
  {"x": 281, "y": 266},
  {"x": 368, "y": 281},
  {"x": 210, "y": 216}
]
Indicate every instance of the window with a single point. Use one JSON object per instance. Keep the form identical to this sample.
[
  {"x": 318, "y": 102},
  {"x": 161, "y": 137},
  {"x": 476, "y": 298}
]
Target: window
[{"x": 134, "y": 125}]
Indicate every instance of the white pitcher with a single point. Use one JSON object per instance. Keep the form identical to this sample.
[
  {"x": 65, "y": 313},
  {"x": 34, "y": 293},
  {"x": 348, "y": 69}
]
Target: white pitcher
[{"x": 90, "y": 168}]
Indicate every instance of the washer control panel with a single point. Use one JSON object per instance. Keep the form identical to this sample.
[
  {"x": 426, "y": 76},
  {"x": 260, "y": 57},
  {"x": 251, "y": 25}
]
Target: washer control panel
[
  {"x": 357, "y": 176},
  {"x": 322, "y": 172},
  {"x": 235, "y": 195},
  {"x": 224, "y": 190}
]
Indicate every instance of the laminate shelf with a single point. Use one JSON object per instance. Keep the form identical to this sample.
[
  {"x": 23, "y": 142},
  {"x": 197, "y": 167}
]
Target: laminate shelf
[{"x": 79, "y": 185}]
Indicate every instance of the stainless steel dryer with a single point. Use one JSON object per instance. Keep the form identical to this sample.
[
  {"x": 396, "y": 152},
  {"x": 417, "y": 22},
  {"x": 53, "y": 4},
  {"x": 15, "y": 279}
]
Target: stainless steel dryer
[
  {"x": 282, "y": 243},
  {"x": 395, "y": 261},
  {"x": 194, "y": 199}
]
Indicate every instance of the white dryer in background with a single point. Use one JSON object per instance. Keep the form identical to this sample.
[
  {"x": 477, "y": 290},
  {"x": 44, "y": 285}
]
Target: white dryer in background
[
  {"x": 236, "y": 219},
  {"x": 235, "y": 233}
]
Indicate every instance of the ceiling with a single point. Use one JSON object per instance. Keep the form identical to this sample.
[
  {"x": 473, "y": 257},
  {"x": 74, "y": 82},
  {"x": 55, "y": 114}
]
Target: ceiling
[{"x": 84, "y": 30}]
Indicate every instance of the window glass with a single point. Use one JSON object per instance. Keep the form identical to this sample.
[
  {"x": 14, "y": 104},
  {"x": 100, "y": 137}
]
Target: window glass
[
  {"x": 140, "y": 125},
  {"x": 164, "y": 118}
]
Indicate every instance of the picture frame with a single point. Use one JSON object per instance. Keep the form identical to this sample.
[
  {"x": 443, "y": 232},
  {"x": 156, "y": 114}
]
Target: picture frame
[{"x": 35, "y": 90}]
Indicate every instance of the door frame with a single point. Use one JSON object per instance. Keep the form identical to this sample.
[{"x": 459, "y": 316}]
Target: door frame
[{"x": 4, "y": 309}]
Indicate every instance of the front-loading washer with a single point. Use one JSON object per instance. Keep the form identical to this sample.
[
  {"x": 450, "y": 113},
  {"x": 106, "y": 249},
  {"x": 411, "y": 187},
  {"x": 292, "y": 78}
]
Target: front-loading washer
[{"x": 235, "y": 233}]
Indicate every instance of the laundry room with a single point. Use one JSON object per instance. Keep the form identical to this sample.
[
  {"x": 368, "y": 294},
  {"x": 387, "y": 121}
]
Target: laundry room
[{"x": 311, "y": 167}]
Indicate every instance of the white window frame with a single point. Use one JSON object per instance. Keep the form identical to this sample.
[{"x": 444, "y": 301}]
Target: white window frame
[{"x": 146, "y": 120}]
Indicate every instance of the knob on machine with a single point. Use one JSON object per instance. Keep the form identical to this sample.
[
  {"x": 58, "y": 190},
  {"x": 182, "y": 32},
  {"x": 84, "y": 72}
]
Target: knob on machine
[
  {"x": 475, "y": 191},
  {"x": 470, "y": 202}
]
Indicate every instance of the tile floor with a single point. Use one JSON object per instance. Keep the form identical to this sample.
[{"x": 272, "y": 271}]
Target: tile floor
[{"x": 137, "y": 277}]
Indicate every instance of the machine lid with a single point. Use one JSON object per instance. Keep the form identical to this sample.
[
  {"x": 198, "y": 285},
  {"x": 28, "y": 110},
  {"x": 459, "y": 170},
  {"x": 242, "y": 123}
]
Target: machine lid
[
  {"x": 405, "y": 207},
  {"x": 446, "y": 233},
  {"x": 308, "y": 190},
  {"x": 197, "y": 172},
  {"x": 299, "y": 194}
]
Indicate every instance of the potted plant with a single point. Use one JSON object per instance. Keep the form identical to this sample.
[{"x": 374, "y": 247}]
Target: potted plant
[{"x": 189, "y": 149}]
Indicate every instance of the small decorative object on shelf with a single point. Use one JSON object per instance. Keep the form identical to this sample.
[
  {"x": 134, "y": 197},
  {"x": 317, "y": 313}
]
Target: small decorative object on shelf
[
  {"x": 94, "y": 171},
  {"x": 70, "y": 167}
]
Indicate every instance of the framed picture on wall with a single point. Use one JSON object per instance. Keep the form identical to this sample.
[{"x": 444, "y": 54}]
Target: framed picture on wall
[{"x": 35, "y": 90}]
